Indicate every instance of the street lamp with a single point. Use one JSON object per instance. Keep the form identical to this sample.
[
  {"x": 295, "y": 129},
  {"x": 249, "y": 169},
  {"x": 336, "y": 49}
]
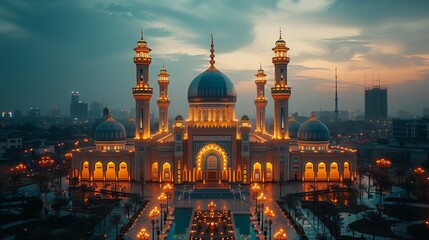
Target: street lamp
[
  {"x": 46, "y": 161},
  {"x": 161, "y": 198},
  {"x": 153, "y": 214},
  {"x": 167, "y": 188},
  {"x": 269, "y": 213},
  {"x": 143, "y": 234},
  {"x": 419, "y": 171},
  {"x": 261, "y": 198},
  {"x": 383, "y": 164},
  {"x": 255, "y": 189},
  {"x": 280, "y": 235}
]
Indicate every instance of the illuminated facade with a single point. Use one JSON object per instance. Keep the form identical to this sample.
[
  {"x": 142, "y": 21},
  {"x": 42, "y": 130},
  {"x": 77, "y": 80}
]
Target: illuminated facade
[
  {"x": 211, "y": 144},
  {"x": 112, "y": 157}
]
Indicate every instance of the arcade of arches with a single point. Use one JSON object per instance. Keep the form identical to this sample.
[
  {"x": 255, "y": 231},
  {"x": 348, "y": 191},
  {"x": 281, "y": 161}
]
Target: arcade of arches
[
  {"x": 109, "y": 171},
  {"x": 321, "y": 172}
]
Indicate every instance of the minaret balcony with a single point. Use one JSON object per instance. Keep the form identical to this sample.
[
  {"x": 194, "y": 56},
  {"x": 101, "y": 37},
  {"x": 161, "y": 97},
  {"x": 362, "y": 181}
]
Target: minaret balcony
[
  {"x": 163, "y": 82},
  {"x": 284, "y": 60},
  {"x": 281, "y": 90},
  {"x": 138, "y": 91},
  {"x": 163, "y": 100},
  {"x": 142, "y": 60},
  {"x": 261, "y": 100}
]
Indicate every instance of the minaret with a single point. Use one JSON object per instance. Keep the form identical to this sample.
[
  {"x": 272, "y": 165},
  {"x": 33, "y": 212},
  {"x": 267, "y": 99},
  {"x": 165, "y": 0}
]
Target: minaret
[
  {"x": 142, "y": 92},
  {"x": 260, "y": 100},
  {"x": 163, "y": 101},
  {"x": 280, "y": 92},
  {"x": 336, "y": 96}
]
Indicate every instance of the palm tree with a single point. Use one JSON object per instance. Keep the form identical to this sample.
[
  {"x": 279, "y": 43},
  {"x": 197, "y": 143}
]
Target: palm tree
[
  {"x": 374, "y": 219},
  {"x": 116, "y": 218}
]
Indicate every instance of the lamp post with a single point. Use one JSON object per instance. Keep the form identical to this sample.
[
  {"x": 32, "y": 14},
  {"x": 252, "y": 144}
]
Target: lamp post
[
  {"x": 153, "y": 214},
  {"x": 261, "y": 198},
  {"x": 255, "y": 189},
  {"x": 143, "y": 234},
  {"x": 161, "y": 198},
  {"x": 167, "y": 188},
  {"x": 280, "y": 235},
  {"x": 419, "y": 171},
  {"x": 46, "y": 162},
  {"x": 269, "y": 213},
  {"x": 383, "y": 164}
]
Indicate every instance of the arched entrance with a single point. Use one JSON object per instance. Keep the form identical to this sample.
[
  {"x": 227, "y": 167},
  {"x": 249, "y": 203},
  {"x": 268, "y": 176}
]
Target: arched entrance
[
  {"x": 110, "y": 172},
  {"x": 321, "y": 172},
  {"x": 334, "y": 174},
  {"x": 98, "y": 171},
  {"x": 154, "y": 172},
  {"x": 257, "y": 169},
  {"x": 346, "y": 172},
  {"x": 212, "y": 163},
  {"x": 85, "y": 171},
  {"x": 166, "y": 172},
  {"x": 123, "y": 174},
  {"x": 309, "y": 172},
  {"x": 269, "y": 172}
]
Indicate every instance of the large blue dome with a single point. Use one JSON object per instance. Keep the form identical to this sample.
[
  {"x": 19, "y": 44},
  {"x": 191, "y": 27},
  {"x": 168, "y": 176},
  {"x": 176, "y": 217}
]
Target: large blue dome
[
  {"x": 211, "y": 86},
  {"x": 313, "y": 130},
  {"x": 110, "y": 130},
  {"x": 293, "y": 127}
]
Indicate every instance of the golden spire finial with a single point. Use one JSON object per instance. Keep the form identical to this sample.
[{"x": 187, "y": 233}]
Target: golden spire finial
[
  {"x": 280, "y": 33},
  {"x": 141, "y": 37},
  {"x": 260, "y": 66},
  {"x": 163, "y": 67},
  {"x": 212, "y": 61}
]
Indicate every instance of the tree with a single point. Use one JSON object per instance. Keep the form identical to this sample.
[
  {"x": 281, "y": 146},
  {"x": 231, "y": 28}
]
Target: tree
[
  {"x": 59, "y": 203},
  {"x": 374, "y": 219},
  {"x": 33, "y": 206},
  {"x": 116, "y": 218},
  {"x": 409, "y": 184},
  {"x": 42, "y": 182},
  {"x": 383, "y": 184},
  {"x": 361, "y": 170},
  {"x": 399, "y": 174}
]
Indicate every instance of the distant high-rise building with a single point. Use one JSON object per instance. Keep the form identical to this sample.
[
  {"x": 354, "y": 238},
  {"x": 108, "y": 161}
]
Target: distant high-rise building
[
  {"x": 78, "y": 109},
  {"x": 95, "y": 110},
  {"x": 34, "y": 112},
  {"x": 375, "y": 103}
]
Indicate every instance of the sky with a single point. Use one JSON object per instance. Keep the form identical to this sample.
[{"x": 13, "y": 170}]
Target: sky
[{"x": 49, "y": 48}]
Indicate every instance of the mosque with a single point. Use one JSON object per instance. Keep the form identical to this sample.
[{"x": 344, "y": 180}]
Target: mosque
[{"x": 211, "y": 144}]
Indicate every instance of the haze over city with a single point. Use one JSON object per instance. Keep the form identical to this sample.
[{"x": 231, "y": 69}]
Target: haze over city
[{"x": 51, "y": 48}]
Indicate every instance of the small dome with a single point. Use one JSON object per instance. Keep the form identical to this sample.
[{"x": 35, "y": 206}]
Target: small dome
[
  {"x": 245, "y": 118},
  {"x": 211, "y": 86},
  {"x": 179, "y": 118},
  {"x": 110, "y": 130},
  {"x": 130, "y": 127},
  {"x": 293, "y": 127},
  {"x": 281, "y": 42},
  {"x": 313, "y": 130}
]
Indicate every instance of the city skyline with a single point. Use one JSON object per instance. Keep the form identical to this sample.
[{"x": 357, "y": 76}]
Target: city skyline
[{"x": 55, "y": 48}]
